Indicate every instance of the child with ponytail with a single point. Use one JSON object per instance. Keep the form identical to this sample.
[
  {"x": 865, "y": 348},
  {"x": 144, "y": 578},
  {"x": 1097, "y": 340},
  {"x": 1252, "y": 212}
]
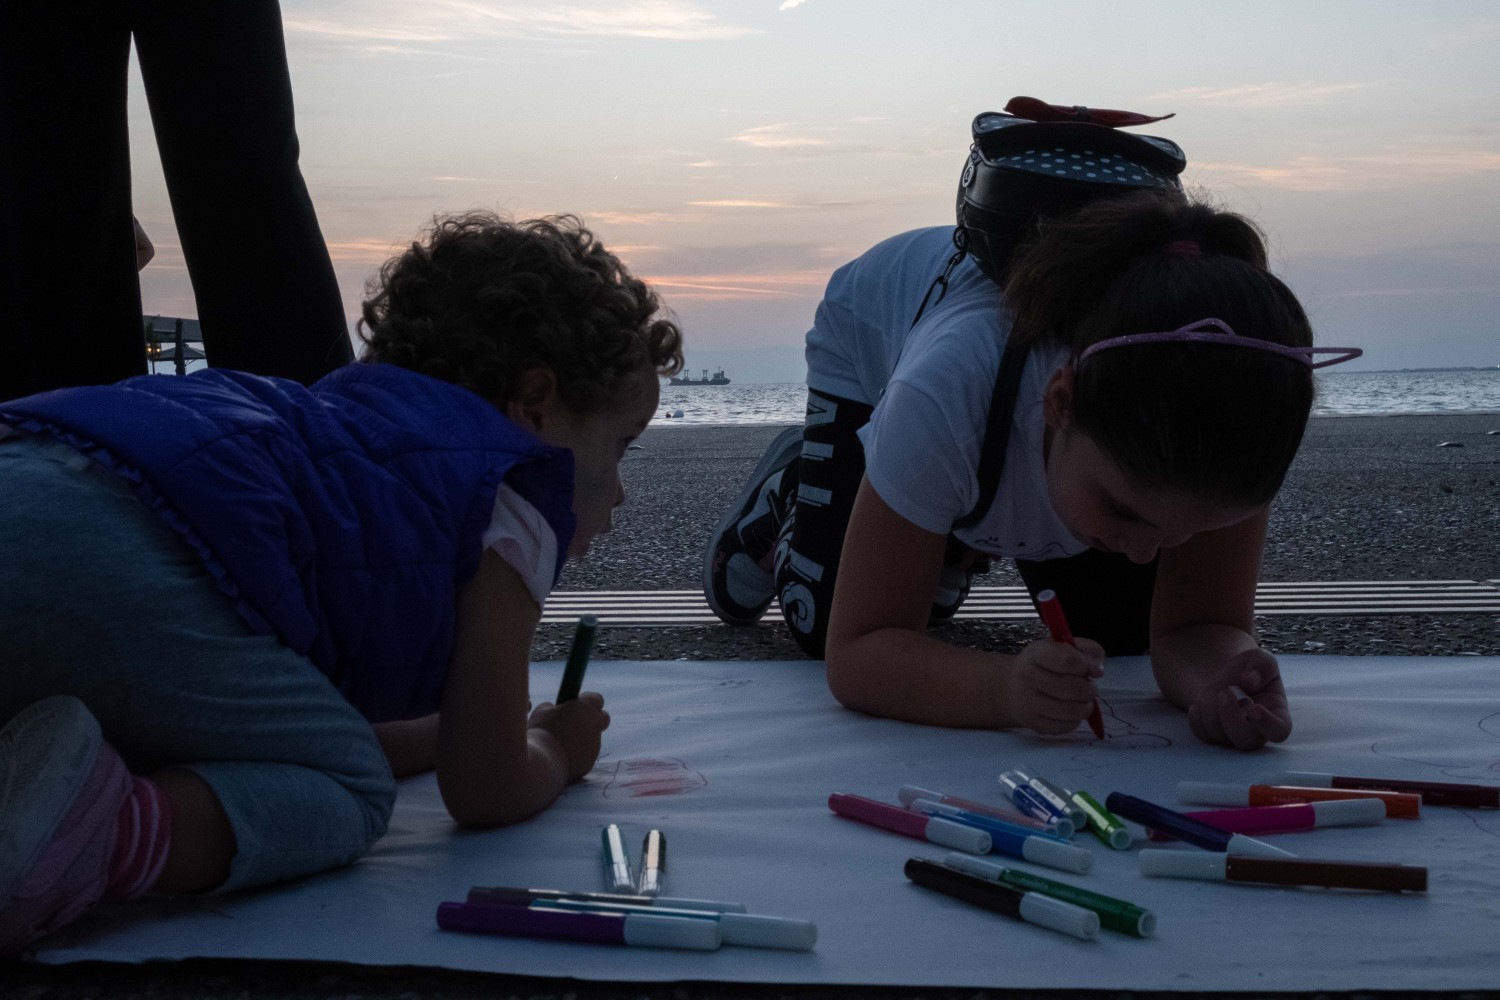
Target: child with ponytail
[{"x": 1145, "y": 381}]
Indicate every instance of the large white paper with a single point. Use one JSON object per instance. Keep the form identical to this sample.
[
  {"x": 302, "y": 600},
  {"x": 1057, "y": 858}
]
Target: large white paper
[{"x": 734, "y": 762}]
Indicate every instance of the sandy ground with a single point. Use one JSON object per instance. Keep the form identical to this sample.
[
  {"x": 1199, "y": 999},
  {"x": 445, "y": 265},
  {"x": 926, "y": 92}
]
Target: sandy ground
[{"x": 1369, "y": 498}]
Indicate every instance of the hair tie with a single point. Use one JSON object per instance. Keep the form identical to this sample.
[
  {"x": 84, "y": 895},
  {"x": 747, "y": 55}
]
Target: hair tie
[{"x": 1183, "y": 248}]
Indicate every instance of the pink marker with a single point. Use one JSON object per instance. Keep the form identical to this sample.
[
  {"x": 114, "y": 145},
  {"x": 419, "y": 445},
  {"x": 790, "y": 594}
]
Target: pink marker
[
  {"x": 933, "y": 829},
  {"x": 911, "y": 793},
  {"x": 1283, "y": 819}
]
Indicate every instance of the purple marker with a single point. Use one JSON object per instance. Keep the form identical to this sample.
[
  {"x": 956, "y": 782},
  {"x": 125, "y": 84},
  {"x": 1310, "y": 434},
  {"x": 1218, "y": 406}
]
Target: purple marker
[
  {"x": 1190, "y": 830},
  {"x": 637, "y": 930},
  {"x": 933, "y": 829}
]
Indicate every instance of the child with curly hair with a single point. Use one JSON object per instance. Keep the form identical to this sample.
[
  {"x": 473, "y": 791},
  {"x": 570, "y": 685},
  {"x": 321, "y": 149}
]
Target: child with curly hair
[{"x": 236, "y": 608}]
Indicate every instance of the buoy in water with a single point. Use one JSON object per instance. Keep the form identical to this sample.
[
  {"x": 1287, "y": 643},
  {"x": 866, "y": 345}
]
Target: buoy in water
[{"x": 677, "y": 413}]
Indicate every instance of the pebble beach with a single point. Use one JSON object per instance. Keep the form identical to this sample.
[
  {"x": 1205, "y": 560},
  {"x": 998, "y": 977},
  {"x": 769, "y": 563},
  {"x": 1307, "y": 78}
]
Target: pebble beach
[{"x": 1368, "y": 499}]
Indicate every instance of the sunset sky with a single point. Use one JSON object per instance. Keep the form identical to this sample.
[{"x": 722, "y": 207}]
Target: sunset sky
[{"x": 735, "y": 153}]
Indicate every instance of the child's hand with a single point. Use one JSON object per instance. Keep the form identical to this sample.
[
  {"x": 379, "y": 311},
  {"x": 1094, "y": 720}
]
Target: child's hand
[
  {"x": 576, "y": 726},
  {"x": 1050, "y": 687},
  {"x": 1217, "y": 716}
]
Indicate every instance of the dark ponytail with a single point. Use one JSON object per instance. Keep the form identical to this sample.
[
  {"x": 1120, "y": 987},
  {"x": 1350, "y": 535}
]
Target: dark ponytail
[{"x": 1212, "y": 421}]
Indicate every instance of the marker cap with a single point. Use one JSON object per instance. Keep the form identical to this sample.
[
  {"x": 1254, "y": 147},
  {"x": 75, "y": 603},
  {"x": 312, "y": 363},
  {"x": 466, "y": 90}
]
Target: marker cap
[
  {"x": 1212, "y": 793},
  {"x": 1249, "y": 847},
  {"x": 911, "y": 793},
  {"x": 1348, "y": 812},
  {"x": 750, "y": 930},
  {"x": 1184, "y": 864},
  {"x": 969, "y": 865},
  {"x": 1054, "y": 854},
  {"x": 958, "y": 836},
  {"x": 1059, "y": 916},
  {"x": 673, "y": 932}
]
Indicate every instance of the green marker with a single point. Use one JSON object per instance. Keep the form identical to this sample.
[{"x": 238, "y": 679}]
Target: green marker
[
  {"x": 578, "y": 659},
  {"x": 1103, "y": 822},
  {"x": 1116, "y": 914}
]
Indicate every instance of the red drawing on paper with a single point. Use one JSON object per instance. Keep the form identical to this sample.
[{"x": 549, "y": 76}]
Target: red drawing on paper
[{"x": 641, "y": 777}]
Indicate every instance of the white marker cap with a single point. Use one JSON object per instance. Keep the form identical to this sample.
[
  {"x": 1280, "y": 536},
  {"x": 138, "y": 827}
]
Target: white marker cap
[
  {"x": 1055, "y": 854},
  {"x": 750, "y": 930},
  {"x": 1349, "y": 812},
  {"x": 1045, "y": 911},
  {"x": 1249, "y": 847},
  {"x": 673, "y": 932},
  {"x": 910, "y": 793},
  {"x": 1213, "y": 793},
  {"x": 978, "y": 867},
  {"x": 1303, "y": 779},
  {"x": 958, "y": 836},
  {"x": 1184, "y": 864}
]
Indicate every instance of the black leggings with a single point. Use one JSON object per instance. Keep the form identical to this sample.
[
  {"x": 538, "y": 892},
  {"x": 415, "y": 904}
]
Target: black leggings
[{"x": 1107, "y": 597}]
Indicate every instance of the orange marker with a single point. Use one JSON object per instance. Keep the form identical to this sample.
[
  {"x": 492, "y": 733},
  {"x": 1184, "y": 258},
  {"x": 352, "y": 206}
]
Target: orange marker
[
  {"x": 1398, "y": 805},
  {"x": 1051, "y": 611}
]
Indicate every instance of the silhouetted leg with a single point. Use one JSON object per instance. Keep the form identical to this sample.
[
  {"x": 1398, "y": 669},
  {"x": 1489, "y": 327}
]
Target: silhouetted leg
[
  {"x": 221, "y": 104},
  {"x": 72, "y": 304}
]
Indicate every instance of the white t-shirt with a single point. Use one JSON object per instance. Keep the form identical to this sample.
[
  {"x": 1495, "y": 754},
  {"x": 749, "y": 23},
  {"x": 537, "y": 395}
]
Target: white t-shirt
[
  {"x": 931, "y": 385},
  {"x": 521, "y": 536}
]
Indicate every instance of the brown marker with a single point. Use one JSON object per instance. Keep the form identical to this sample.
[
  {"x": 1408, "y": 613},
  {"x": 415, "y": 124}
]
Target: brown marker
[{"x": 1284, "y": 871}]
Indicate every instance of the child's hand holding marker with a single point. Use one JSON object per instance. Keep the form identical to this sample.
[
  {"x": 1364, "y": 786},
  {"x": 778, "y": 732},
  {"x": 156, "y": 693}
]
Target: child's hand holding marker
[
  {"x": 1243, "y": 704},
  {"x": 576, "y": 721},
  {"x": 1051, "y": 687}
]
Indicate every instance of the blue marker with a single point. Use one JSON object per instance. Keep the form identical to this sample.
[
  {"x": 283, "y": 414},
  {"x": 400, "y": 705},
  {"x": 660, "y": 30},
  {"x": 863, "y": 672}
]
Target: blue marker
[
  {"x": 1190, "y": 830},
  {"x": 1014, "y": 841},
  {"x": 1029, "y": 800}
]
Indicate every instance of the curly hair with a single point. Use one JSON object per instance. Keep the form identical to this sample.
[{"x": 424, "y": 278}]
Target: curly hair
[{"x": 481, "y": 299}]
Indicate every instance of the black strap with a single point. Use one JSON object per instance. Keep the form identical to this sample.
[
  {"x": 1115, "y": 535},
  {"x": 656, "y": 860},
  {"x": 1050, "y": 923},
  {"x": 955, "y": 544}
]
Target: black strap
[{"x": 997, "y": 430}]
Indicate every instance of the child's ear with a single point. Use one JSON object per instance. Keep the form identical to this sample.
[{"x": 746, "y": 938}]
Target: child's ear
[
  {"x": 1057, "y": 398},
  {"x": 533, "y": 399}
]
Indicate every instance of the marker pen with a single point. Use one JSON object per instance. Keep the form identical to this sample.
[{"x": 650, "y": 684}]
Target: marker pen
[
  {"x": 1116, "y": 914},
  {"x": 1210, "y": 838},
  {"x": 578, "y": 659},
  {"x": 1054, "y": 797},
  {"x": 617, "y": 876},
  {"x": 1462, "y": 795},
  {"x": 910, "y": 793},
  {"x": 1048, "y": 606},
  {"x": 523, "y": 897},
  {"x": 934, "y": 829},
  {"x": 543, "y": 921},
  {"x": 653, "y": 864},
  {"x": 1032, "y": 907},
  {"x": 1064, "y": 797},
  {"x": 1284, "y": 871},
  {"x": 1015, "y": 841},
  {"x": 1103, "y": 822},
  {"x": 745, "y": 930},
  {"x": 1398, "y": 805},
  {"x": 1030, "y": 801},
  {"x": 1284, "y": 819}
]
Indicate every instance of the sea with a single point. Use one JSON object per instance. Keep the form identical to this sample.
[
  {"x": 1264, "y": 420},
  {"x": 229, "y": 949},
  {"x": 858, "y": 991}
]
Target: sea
[
  {"x": 1434, "y": 390},
  {"x": 1416, "y": 390}
]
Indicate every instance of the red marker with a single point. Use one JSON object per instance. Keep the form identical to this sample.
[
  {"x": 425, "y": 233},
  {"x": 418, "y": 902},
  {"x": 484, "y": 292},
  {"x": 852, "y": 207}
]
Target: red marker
[{"x": 1051, "y": 611}]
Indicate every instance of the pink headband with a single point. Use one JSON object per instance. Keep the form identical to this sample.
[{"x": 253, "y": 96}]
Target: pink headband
[{"x": 1216, "y": 331}]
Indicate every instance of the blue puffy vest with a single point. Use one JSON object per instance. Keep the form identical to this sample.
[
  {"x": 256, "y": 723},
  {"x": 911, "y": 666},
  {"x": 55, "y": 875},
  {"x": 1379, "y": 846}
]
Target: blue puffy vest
[{"x": 342, "y": 519}]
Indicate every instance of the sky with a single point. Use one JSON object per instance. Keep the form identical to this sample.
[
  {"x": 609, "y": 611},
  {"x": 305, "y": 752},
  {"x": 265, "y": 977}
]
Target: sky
[{"x": 735, "y": 153}]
